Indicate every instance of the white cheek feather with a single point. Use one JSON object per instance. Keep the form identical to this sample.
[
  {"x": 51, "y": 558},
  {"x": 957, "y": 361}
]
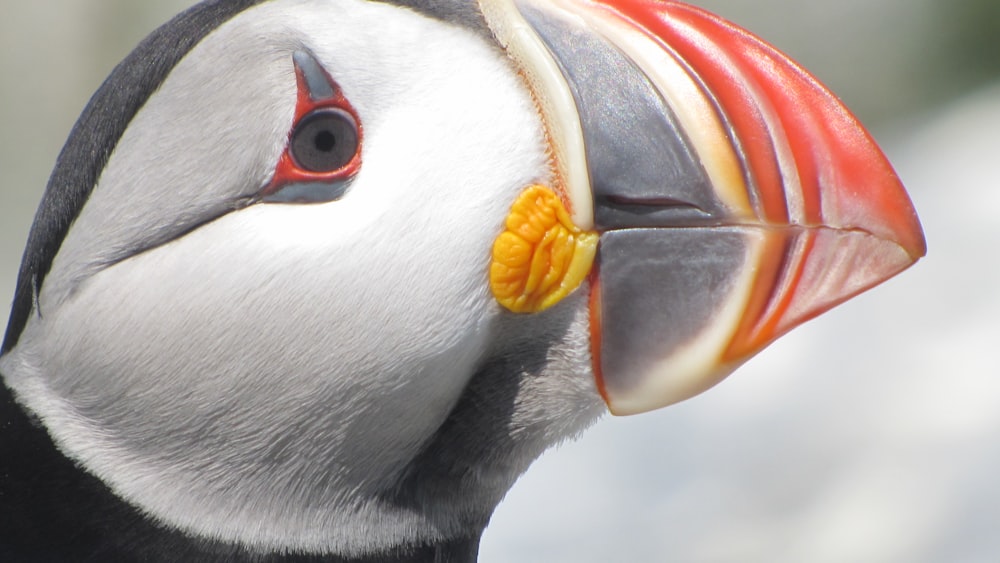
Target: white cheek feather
[{"x": 261, "y": 378}]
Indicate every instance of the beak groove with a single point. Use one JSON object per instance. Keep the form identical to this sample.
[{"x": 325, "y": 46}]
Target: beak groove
[{"x": 735, "y": 196}]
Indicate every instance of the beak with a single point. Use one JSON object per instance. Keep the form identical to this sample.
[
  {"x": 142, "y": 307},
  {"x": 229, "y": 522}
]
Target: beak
[{"x": 734, "y": 196}]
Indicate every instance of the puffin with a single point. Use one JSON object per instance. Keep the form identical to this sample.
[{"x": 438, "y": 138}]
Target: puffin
[{"x": 317, "y": 280}]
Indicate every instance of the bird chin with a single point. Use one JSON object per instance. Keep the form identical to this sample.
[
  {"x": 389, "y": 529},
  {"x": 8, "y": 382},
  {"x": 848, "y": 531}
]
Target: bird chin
[{"x": 322, "y": 368}]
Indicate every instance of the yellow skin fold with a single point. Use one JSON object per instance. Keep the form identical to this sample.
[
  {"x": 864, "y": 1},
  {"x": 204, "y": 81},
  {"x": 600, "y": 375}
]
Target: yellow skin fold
[{"x": 541, "y": 256}]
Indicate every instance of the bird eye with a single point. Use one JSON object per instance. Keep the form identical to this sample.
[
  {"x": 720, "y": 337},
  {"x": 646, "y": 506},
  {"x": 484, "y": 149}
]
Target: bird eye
[
  {"x": 324, "y": 140},
  {"x": 323, "y": 152}
]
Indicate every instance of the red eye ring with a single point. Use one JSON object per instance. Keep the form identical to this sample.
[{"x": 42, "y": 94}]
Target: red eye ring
[{"x": 324, "y": 144}]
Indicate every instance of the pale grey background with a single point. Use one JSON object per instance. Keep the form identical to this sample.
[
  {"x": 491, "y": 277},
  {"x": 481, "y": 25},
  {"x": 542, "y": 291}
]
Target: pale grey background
[{"x": 870, "y": 434}]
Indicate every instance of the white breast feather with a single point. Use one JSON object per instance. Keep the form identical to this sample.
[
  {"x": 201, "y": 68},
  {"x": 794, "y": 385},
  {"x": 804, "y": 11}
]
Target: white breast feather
[{"x": 260, "y": 377}]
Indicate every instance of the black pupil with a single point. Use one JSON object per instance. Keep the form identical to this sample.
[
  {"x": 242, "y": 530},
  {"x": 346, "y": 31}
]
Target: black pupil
[{"x": 324, "y": 141}]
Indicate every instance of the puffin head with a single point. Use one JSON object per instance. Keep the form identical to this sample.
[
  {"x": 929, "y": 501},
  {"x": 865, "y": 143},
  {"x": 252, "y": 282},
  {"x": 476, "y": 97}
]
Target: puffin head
[{"x": 326, "y": 276}]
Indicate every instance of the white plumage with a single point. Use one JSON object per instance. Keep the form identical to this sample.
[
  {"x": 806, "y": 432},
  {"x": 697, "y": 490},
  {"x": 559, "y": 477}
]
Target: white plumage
[{"x": 265, "y": 338}]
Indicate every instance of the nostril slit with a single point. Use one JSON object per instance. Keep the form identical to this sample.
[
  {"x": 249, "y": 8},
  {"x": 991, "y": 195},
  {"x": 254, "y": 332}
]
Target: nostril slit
[
  {"x": 653, "y": 203},
  {"x": 616, "y": 211}
]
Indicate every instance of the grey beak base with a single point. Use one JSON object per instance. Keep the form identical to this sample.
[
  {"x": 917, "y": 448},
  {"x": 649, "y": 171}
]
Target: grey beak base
[
  {"x": 643, "y": 171},
  {"x": 658, "y": 289}
]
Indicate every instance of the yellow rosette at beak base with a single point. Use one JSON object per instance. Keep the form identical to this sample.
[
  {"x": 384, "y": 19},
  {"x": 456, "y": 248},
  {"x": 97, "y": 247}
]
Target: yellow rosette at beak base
[{"x": 541, "y": 256}]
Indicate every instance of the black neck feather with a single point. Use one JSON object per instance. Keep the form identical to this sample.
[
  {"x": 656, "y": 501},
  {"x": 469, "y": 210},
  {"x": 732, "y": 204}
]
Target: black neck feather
[{"x": 52, "y": 510}]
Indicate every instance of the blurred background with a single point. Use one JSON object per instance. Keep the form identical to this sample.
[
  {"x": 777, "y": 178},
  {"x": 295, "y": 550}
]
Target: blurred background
[{"x": 871, "y": 434}]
